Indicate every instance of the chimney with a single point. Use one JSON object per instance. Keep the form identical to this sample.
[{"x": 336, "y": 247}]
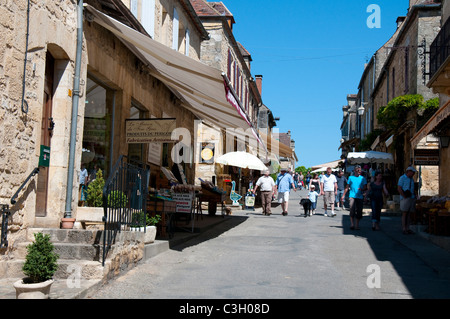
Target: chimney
[
  {"x": 258, "y": 80},
  {"x": 400, "y": 21}
]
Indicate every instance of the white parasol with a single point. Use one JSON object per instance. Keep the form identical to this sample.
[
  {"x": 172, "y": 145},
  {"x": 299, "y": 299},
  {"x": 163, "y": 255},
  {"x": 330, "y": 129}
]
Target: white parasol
[
  {"x": 242, "y": 160},
  {"x": 370, "y": 157}
]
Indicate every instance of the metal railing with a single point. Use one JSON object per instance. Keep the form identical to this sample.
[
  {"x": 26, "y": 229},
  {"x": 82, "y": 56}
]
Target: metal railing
[
  {"x": 440, "y": 49},
  {"x": 124, "y": 200},
  {"x": 6, "y": 213}
]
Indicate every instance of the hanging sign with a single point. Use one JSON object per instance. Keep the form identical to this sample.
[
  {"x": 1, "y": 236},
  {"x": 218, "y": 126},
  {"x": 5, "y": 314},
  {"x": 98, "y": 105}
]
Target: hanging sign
[{"x": 149, "y": 131}]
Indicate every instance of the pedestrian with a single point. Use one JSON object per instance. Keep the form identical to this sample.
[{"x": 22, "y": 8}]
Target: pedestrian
[
  {"x": 313, "y": 195},
  {"x": 357, "y": 185},
  {"x": 407, "y": 198},
  {"x": 300, "y": 178},
  {"x": 329, "y": 191},
  {"x": 84, "y": 178},
  {"x": 341, "y": 184},
  {"x": 267, "y": 189},
  {"x": 283, "y": 186},
  {"x": 375, "y": 191},
  {"x": 308, "y": 179},
  {"x": 295, "y": 176},
  {"x": 316, "y": 182}
]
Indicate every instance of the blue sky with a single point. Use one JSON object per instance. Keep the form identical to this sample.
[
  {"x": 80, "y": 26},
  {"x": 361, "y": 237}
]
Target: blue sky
[{"x": 311, "y": 55}]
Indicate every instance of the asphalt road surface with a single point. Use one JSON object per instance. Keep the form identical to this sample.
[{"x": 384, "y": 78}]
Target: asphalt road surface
[{"x": 250, "y": 256}]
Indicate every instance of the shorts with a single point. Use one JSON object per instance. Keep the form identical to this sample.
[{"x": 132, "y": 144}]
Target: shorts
[
  {"x": 329, "y": 197},
  {"x": 339, "y": 195},
  {"x": 408, "y": 205},
  {"x": 283, "y": 197},
  {"x": 356, "y": 207}
]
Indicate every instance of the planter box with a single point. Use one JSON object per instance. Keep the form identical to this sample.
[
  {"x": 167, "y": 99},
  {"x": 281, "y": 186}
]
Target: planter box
[
  {"x": 39, "y": 290},
  {"x": 150, "y": 233}
]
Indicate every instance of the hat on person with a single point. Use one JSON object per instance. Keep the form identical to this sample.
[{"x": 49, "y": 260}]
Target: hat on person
[
  {"x": 412, "y": 169},
  {"x": 312, "y": 186},
  {"x": 283, "y": 169}
]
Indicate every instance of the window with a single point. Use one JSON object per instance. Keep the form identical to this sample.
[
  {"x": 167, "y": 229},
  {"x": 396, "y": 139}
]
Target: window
[
  {"x": 98, "y": 126},
  {"x": 136, "y": 151},
  {"x": 148, "y": 16},
  {"x": 175, "y": 30}
]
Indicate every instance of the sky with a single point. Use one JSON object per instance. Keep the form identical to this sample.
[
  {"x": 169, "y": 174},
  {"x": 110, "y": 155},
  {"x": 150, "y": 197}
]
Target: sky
[{"x": 311, "y": 55}]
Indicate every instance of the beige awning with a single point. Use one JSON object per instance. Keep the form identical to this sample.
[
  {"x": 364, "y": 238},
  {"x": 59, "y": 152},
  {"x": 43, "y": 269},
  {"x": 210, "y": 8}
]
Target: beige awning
[
  {"x": 275, "y": 146},
  {"x": 202, "y": 89},
  {"x": 433, "y": 122}
]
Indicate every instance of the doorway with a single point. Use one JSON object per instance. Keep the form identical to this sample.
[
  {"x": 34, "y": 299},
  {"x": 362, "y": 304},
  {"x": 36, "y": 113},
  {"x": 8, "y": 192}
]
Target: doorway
[{"x": 46, "y": 136}]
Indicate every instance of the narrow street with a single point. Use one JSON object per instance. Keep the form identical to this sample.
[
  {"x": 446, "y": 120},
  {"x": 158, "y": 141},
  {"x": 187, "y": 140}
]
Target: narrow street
[{"x": 289, "y": 257}]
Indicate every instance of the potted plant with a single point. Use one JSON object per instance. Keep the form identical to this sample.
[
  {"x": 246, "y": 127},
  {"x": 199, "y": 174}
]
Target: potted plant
[
  {"x": 95, "y": 190},
  {"x": 39, "y": 268}
]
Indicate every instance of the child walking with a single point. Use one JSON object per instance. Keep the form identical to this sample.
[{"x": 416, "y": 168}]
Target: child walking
[{"x": 312, "y": 195}]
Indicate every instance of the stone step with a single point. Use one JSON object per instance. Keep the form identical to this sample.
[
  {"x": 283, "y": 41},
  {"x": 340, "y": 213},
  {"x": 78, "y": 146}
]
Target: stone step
[
  {"x": 79, "y": 236},
  {"x": 66, "y": 251},
  {"x": 74, "y": 269}
]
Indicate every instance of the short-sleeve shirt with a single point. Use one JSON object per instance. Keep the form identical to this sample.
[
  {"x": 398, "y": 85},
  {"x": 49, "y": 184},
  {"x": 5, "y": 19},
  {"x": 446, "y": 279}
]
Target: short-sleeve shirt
[
  {"x": 342, "y": 182},
  {"x": 328, "y": 182},
  {"x": 406, "y": 183},
  {"x": 312, "y": 195},
  {"x": 83, "y": 175},
  {"x": 356, "y": 185},
  {"x": 284, "y": 183},
  {"x": 265, "y": 183}
]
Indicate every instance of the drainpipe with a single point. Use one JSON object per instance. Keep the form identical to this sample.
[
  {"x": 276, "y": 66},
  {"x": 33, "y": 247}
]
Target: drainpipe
[{"x": 75, "y": 102}]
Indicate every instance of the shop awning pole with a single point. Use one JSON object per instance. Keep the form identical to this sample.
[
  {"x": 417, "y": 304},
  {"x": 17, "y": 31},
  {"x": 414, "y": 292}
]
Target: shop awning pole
[{"x": 75, "y": 102}]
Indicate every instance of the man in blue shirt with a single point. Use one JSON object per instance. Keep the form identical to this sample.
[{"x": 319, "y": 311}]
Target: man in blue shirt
[
  {"x": 357, "y": 185},
  {"x": 407, "y": 197},
  {"x": 284, "y": 183}
]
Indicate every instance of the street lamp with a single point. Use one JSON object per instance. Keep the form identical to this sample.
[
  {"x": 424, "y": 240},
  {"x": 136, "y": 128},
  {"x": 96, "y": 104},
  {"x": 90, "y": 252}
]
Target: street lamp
[{"x": 361, "y": 111}]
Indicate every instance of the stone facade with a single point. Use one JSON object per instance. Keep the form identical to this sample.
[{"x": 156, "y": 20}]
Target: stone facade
[
  {"x": 402, "y": 74},
  {"x": 51, "y": 27},
  {"x": 51, "y": 53}
]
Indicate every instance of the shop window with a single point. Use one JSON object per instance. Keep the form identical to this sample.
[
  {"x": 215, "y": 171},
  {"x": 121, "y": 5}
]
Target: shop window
[
  {"x": 136, "y": 151},
  {"x": 98, "y": 126}
]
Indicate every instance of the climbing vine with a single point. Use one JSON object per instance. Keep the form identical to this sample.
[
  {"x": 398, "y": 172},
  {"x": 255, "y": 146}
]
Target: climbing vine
[{"x": 393, "y": 115}]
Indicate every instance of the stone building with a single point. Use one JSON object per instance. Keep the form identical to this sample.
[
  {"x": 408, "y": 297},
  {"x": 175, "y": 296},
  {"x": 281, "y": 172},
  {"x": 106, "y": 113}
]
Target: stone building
[
  {"x": 223, "y": 52},
  {"x": 438, "y": 126},
  {"x": 124, "y": 74},
  {"x": 403, "y": 72}
]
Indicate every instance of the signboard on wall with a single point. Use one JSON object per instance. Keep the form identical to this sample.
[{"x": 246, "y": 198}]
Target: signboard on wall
[
  {"x": 426, "y": 157},
  {"x": 184, "y": 202},
  {"x": 141, "y": 131}
]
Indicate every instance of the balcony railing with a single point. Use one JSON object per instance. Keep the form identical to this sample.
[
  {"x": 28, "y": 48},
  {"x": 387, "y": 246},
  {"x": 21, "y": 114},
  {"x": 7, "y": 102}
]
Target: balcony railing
[{"x": 440, "y": 49}]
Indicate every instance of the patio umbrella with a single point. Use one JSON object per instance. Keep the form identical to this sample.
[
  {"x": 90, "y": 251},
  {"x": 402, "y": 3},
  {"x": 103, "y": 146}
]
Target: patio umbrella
[
  {"x": 370, "y": 157},
  {"x": 324, "y": 169},
  {"x": 242, "y": 160}
]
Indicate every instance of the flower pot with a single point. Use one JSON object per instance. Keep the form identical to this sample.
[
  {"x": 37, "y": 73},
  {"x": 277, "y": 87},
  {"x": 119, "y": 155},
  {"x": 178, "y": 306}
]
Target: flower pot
[
  {"x": 40, "y": 290},
  {"x": 67, "y": 223}
]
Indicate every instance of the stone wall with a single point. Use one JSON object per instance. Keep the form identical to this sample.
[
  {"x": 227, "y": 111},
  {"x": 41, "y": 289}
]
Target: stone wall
[{"x": 52, "y": 29}]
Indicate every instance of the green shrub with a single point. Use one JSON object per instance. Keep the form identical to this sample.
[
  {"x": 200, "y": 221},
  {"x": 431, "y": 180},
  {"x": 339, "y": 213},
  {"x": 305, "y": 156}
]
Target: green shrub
[
  {"x": 117, "y": 199},
  {"x": 95, "y": 190},
  {"x": 41, "y": 261},
  {"x": 152, "y": 221}
]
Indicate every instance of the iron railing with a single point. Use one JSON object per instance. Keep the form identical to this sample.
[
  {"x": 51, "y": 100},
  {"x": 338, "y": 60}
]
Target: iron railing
[
  {"x": 6, "y": 213},
  {"x": 440, "y": 49},
  {"x": 124, "y": 200},
  {"x": 5, "y": 217}
]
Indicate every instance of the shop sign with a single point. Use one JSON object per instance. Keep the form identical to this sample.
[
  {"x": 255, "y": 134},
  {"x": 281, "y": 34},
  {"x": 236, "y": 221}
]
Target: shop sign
[
  {"x": 184, "y": 202},
  {"x": 426, "y": 157},
  {"x": 145, "y": 131}
]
